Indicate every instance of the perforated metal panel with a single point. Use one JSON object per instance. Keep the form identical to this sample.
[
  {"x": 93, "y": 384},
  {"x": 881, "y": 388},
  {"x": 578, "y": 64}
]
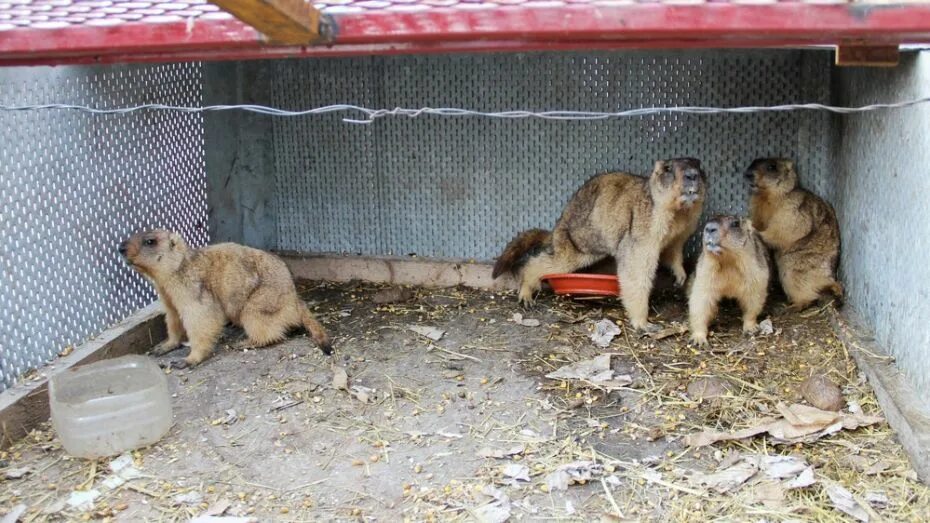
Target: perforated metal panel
[
  {"x": 72, "y": 186},
  {"x": 462, "y": 187}
]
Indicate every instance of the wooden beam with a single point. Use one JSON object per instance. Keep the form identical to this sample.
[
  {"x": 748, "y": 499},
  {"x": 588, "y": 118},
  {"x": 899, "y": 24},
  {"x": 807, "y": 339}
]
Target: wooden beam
[
  {"x": 286, "y": 22},
  {"x": 904, "y": 407},
  {"x": 867, "y": 55},
  {"x": 25, "y": 406}
]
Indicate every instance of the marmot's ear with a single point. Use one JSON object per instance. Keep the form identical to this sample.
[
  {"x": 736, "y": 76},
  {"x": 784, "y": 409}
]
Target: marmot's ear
[{"x": 175, "y": 242}]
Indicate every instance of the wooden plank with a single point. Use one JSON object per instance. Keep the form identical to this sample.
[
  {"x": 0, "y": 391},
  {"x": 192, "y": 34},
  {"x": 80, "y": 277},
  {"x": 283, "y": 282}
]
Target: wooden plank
[
  {"x": 867, "y": 55},
  {"x": 25, "y": 406},
  {"x": 286, "y": 22},
  {"x": 394, "y": 269},
  {"x": 904, "y": 408}
]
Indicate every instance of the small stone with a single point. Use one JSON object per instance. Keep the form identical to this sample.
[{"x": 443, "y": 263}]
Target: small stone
[
  {"x": 708, "y": 388},
  {"x": 17, "y": 473},
  {"x": 822, "y": 393}
]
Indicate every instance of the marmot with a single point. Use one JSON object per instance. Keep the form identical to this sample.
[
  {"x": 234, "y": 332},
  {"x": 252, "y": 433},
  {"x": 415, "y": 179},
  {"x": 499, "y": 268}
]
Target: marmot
[
  {"x": 799, "y": 227},
  {"x": 639, "y": 221},
  {"x": 733, "y": 264},
  {"x": 203, "y": 289}
]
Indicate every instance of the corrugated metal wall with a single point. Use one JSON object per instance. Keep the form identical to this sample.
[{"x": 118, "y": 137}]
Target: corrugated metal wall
[{"x": 882, "y": 169}]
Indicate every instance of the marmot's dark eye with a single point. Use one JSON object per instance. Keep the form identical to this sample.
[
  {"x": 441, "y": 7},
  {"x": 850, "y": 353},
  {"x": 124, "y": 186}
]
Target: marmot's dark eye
[
  {"x": 667, "y": 168},
  {"x": 150, "y": 242},
  {"x": 736, "y": 224},
  {"x": 772, "y": 167}
]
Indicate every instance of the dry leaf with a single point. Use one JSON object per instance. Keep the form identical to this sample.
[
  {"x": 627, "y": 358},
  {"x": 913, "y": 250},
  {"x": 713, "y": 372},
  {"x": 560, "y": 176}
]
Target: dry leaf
[
  {"x": 877, "y": 468},
  {"x": 516, "y": 471},
  {"x": 595, "y": 371},
  {"x": 363, "y": 394},
  {"x": 14, "y": 514},
  {"x": 769, "y": 493},
  {"x": 856, "y": 462},
  {"x": 218, "y": 508},
  {"x": 83, "y": 499},
  {"x": 604, "y": 332},
  {"x": 781, "y": 467},
  {"x": 189, "y": 498},
  {"x": 340, "y": 379},
  {"x": 726, "y": 480},
  {"x": 497, "y": 511},
  {"x": 430, "y": 332},
  {"x": 500, "y": 454},
  {"x": 223, "y": 519},
  {"x": 526, "y": 322},
  {"x": 492, "y": 513},
  {"x": 799, "y": 424},
  {"x": 844, "y": 501},
  {"x": 573, "y": 473},
  {"x": 766, "y": 328},
  {"x": 804, "y": 479},
  {"x": 557, "y": 480}
]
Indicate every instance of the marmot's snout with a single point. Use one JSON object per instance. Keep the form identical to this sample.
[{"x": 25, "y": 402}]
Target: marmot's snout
[{"x": 712, "y": 237}]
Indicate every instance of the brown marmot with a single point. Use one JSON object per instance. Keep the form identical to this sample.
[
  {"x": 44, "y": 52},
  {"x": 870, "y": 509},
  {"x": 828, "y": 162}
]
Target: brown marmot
[
  {"x": 639, "y": 221},
  {"x": 733, "y": 264},
  {"x": 203, "y": 289},
  {"x": 799, "y": 227}
]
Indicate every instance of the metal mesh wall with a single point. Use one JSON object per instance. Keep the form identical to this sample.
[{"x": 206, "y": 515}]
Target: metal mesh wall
[
  {"x": 462, "y": 187},
  {"x": 72, "y": 186}
]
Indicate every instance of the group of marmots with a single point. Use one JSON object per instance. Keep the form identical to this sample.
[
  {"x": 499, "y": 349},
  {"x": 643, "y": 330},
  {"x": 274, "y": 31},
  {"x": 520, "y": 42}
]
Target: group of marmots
[
  {"x": 644, "y": 221},
  {"x": 638, "y": 221}
]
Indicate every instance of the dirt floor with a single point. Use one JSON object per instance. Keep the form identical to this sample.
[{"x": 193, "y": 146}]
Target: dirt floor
[{"x": 468, "y": 427}]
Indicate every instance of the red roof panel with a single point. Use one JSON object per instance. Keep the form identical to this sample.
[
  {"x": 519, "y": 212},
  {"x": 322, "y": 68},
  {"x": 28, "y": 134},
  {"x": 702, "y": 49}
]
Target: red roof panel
[{"x": 85, "y": 31}]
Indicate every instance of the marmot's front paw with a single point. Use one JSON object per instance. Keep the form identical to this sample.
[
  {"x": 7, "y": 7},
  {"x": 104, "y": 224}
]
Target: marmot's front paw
[{"x": 699, "y": 339}]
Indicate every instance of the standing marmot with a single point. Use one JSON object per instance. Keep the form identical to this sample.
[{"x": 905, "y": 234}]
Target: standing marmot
[
  {"x": 203, "y": 289},
  {"x": 733, "y": 264},
  {"x": 638, "y": 220},
  {"x": 800, "y": 228}
]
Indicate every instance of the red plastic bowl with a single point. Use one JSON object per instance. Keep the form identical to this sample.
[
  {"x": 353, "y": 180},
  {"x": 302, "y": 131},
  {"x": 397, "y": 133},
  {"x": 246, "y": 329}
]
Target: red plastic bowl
[{"x": 575, "y": 284}]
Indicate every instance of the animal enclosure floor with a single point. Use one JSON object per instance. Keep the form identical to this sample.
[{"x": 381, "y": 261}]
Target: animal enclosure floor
[{"x": 468, "y": 427}]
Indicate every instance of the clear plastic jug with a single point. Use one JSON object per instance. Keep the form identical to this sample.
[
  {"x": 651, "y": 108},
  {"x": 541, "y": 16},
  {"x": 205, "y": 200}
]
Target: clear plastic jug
[{"x": 110, "y": 406}]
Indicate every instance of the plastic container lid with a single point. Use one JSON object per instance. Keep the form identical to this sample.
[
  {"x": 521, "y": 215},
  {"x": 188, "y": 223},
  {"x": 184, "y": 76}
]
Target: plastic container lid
[
  {"x": 578, "y": 284},
  {"x": 110, "y": 406}
]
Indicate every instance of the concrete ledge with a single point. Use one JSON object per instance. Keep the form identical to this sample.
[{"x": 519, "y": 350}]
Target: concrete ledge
[
  {"x": 424, "y": 272},
  {"x": 23, "y": 407},
  {"x": 907, "y": 413}
]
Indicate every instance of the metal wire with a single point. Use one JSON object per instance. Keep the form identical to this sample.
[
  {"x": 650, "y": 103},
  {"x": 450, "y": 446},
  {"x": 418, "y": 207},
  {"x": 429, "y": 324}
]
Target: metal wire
[{"x": 370, "y": 115}]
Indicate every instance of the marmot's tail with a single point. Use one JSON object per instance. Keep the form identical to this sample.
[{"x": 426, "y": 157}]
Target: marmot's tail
[
  {"x": 520, "y": 249},
  {"x": 315, "y": 330}
]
